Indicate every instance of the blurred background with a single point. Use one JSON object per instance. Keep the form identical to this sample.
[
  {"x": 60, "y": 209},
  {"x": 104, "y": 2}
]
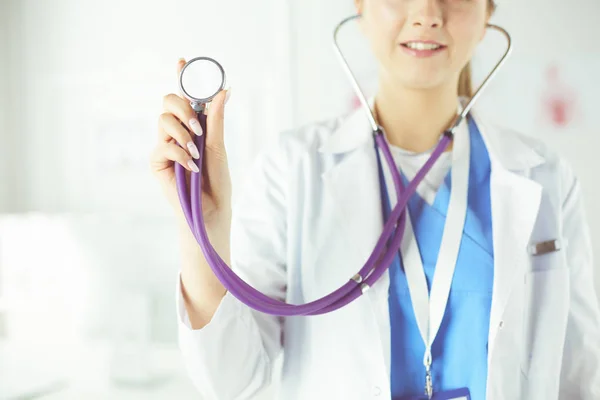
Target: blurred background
[{"x": 88, "y": 246}]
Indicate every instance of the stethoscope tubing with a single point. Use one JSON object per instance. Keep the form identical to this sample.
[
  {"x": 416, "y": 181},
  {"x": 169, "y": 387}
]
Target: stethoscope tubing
[
  {"x": 380, "y": 258},
  {"x": 356, "y": 286}
]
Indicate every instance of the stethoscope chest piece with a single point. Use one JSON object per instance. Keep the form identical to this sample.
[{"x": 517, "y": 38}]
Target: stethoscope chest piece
[{"x": 200, "y": 80}]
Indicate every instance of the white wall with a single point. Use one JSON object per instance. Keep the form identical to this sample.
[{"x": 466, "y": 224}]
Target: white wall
[
  {"x": 94, "y": 74},
  {"x": 6, "y": 183},
  {"x": 322, "y": 90}
]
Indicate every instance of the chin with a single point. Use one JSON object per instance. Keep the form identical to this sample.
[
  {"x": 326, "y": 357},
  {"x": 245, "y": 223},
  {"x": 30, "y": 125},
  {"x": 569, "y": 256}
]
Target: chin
[
  {"x": 417, "y": 77},
  {"x": 421, "y": 82}
]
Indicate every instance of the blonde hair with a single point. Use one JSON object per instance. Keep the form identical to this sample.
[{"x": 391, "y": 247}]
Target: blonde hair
[{"x": 465, "y": 83}]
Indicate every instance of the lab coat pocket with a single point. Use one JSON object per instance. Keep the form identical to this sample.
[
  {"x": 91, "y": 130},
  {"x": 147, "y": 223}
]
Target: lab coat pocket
[{"x": 545, "y": 311}]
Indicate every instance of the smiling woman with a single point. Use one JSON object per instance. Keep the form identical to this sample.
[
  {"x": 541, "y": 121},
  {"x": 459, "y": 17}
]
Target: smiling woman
[
  {"x": 463, "y": 310},
  {"x": 443, "y": 38}
]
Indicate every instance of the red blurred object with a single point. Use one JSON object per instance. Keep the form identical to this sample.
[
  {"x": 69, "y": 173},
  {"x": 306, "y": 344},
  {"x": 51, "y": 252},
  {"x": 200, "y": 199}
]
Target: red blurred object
[
  {"x": 558, "y": 99},
  {"x": 354, "y": 103}
]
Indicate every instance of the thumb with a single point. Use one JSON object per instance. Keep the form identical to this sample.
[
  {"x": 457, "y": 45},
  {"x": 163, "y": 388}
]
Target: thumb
[
  {"x": 180, "y": 63},
  {"x": 215, "y": 120}
]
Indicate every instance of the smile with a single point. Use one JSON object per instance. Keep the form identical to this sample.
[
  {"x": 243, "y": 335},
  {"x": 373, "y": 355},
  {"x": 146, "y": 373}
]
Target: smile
[{"x": 423, "y": 49}]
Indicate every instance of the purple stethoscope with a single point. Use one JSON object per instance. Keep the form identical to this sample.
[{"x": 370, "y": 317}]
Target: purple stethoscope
[{"x": 199, "y": 73}]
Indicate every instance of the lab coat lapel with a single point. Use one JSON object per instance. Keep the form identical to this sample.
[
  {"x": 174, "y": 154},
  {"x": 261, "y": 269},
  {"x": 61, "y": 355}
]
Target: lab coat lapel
[
  {"x": 515, "y": 202},
  {"x": 353, "y": 184}
]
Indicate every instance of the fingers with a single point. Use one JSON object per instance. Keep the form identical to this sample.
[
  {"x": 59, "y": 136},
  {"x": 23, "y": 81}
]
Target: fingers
[
  {"x": 169, "y": 127},
  {"x": 168, "y": 152},
  {"x": 181, "y": 108}
]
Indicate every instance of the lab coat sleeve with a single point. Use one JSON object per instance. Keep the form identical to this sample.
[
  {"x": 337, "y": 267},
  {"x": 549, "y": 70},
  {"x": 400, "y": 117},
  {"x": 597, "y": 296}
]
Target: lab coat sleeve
[
  {"x": 580, "y": 375},
  {"x": 232, "y": 356}
]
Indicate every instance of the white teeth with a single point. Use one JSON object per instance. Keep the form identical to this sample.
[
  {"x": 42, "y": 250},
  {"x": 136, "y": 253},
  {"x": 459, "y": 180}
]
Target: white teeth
[{"x": 422, "y": 46}]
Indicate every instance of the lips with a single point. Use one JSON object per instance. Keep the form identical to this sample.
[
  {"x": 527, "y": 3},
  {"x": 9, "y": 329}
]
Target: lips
[{"x": 423, "y": 48}]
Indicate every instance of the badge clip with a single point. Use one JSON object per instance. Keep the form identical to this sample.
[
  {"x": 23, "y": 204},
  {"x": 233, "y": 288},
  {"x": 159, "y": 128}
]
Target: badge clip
[{"x": 541, "y": 248}]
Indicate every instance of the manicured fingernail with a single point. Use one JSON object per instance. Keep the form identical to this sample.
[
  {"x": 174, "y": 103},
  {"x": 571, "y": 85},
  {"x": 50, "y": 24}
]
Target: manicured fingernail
[
  {"x": 228, "y": 95},
  {"x": 193, "y": 166},
  {"x": 195, "y": 125},
  {"x": 193, "y": 150}
]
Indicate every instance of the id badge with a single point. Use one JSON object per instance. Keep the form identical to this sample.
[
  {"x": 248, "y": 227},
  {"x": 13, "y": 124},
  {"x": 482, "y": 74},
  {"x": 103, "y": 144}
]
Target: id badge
[{"x": 457, "y": 394}]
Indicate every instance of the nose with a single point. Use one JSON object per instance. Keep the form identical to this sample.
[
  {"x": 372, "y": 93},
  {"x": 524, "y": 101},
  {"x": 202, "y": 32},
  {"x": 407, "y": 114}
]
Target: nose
[{"x": 427, "y": 14}]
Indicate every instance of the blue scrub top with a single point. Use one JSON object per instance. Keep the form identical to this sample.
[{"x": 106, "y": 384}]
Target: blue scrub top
[{"x": 460, "y": 347}]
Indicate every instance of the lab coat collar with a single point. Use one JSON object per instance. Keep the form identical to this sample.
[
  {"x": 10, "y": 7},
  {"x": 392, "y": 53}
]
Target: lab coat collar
[{"x": 505, "y": 147}]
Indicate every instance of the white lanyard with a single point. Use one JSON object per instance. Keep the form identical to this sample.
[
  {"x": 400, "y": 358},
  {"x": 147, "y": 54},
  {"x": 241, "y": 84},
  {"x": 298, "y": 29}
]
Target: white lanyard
[{"x": 429, "y": 310}]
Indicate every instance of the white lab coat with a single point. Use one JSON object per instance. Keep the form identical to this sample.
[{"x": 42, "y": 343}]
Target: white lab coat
[{"x": 307, "y": 220}]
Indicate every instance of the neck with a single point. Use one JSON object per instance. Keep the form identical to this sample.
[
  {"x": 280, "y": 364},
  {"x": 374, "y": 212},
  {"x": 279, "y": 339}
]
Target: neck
[{"x": 415, "y": 119}]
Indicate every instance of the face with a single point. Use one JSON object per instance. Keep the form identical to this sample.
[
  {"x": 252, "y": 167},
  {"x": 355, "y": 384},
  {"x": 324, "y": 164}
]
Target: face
[{"x": 423, "y": 44}]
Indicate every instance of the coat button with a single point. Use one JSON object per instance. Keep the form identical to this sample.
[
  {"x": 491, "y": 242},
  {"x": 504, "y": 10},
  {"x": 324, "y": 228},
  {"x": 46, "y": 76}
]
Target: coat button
[
  {"x": 501, "y": 325},
  {"x": 376, "y": 390}
]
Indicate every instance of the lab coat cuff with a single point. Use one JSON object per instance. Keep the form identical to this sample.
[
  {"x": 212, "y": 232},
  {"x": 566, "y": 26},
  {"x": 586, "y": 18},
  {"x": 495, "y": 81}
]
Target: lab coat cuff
[{"x": 229, "y": 308}]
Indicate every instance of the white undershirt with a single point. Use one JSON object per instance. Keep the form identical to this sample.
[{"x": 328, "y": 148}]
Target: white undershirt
[{"x": 410, "y": 163}]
